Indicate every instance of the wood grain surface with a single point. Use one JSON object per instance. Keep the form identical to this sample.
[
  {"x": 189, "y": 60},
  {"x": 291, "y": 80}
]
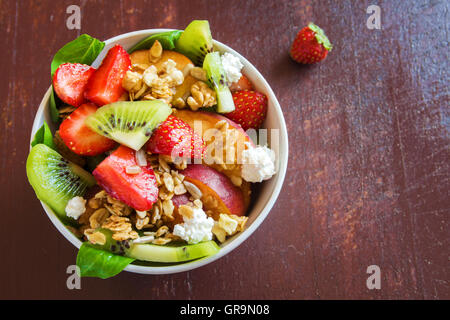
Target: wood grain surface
[{"x": 368, "y": 177}]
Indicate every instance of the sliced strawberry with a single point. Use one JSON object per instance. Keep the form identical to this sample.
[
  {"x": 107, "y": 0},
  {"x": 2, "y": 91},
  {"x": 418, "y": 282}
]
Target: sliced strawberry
[
  {"x": 139, "y": 191},
  {"x": 242, "y": 84},
  {"x": 70, "y": 80},
  {"x": 251, "y": 109},
  {"x": 79, "y": 137},
  {"x": 105, "y": 85},
  {"x": 176, "y": 138}
]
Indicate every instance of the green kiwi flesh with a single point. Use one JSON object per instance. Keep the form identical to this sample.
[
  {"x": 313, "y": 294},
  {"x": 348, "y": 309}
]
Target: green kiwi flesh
[
  {"x": 172, "y": 253},
  {"x": 54, "y": 179},
  {"x": 196, "y": 41},
  {"x": 217, "y": 80},
  {"x": 130, "y": 123}
]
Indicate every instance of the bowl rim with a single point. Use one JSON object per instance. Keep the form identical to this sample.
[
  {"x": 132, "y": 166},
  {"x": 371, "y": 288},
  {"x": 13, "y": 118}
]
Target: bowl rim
[{"x": 242, "y": 236}]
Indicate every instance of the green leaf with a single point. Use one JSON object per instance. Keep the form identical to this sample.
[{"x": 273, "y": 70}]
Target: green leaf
[
  {"x": 167, "y": 40},
  {"x": 212, "y": 109},
  {"x": 44, "y": 135},
  {"x": 320, "y": 36},
  {"x": 54, "y": 112},
  {"x": 83, "y": 49},
  {"x": 94, "y": 161},
  {"x": 99, "y": 263}
]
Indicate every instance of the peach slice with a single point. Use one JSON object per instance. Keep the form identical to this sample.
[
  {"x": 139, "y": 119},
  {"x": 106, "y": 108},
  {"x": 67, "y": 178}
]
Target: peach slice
[
  {"x": 181, "y": 60},
  {"x": 184, "y": 90},
  {"x": 177, "y": 201},
  {"x": 219, "y": 195},
  {"x": 180, "y": 199},
  {"x": 141, "y": 57},
  {"x": 210, "y": 120}
]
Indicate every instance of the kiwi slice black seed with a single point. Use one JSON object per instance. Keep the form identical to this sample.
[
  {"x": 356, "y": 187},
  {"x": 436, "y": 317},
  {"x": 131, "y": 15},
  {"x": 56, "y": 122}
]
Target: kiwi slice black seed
[
  {"x": 217, "y": 80},
  {"x": 55, "y": 179},
  {"x": 130, "y": 123},
  {"x": 196, "y": 41}
]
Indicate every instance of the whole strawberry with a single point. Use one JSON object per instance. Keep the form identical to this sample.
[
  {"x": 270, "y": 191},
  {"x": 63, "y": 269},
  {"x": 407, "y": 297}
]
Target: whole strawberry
[
  {"x": 311, "y": 45},
  {"x": 251, "y": 109}
]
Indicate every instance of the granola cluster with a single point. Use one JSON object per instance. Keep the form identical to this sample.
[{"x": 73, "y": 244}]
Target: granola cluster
[
  {"x": 156, "y": 225},
  {"x": 225, "y": 225},
  {"x": 147, "y": 82},
  {"x": 228, "y": 225},
  {"x": 230, "y": 147},
  {"x": 201, "y": 96},
  {"x": 105, "y": 212},
  {"x": 151, "y": 84}
]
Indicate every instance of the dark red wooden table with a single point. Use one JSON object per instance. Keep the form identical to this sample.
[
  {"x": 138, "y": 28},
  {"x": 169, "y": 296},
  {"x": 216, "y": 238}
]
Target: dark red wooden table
[{"x": 368, "y": 179}]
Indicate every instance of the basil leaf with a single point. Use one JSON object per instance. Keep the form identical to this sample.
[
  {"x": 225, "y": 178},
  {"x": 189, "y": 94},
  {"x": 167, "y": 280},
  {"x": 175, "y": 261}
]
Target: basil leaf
[
  {"x": 93, "y": 161},
  {"x": 83, "y": 49},
  {"x": 44, "y": 135},
  {"x": 54, "y": 112},
  {"x": 167, "y": 40},
  {"x": 99, "y": 263}
]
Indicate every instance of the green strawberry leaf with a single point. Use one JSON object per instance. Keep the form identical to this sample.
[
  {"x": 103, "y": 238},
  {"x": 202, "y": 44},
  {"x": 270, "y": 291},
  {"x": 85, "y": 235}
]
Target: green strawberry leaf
[{"x": 320, "y": 36}]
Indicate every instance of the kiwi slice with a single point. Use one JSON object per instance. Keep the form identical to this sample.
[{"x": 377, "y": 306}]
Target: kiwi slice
[
  {"x": 54, "y": 179},
  {"x": 217, "y": 80},
  {"x": 196, "y": 41},
  {"x": 130, "y": 123},
  {"x": 171, "y": 253}
]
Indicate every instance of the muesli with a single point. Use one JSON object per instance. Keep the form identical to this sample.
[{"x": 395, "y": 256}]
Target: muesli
[{"x": 150, "y": 160}]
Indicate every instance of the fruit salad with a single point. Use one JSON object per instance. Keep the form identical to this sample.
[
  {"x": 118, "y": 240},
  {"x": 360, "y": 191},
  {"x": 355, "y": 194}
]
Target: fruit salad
[{"x": 149, "y": 158}]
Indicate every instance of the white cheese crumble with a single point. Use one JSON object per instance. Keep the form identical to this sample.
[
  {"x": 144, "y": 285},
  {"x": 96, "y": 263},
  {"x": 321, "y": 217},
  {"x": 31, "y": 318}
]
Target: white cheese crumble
[
  {"x": 258, "y": 164},
  {"x": 196, "y": 229},
  {"x": 75, "y": 207},
  {"x": 232, "y": 66}
]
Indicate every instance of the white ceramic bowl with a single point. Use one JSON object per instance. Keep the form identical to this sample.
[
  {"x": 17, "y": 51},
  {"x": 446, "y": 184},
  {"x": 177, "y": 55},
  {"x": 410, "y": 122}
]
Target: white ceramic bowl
[{"x": 268, "y": 192}]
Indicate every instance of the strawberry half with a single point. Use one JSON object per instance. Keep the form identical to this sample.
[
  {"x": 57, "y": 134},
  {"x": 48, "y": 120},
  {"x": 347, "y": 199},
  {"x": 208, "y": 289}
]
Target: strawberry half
[
  {"x": 251, "y": 109},
  {"x": 139, "y": 191},
  {"x": 105, "y": 85},
  {"x": 70, "y": 80},
  {"x": 176, "y": 138},
  {"x": 242, "y": 84},
  {"x": 311, "y": 45},
  {"x": 79, "y": 137}
]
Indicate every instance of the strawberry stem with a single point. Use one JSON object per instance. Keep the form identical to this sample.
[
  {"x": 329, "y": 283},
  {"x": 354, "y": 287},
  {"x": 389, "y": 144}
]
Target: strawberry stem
[{"x": 320, "y": 36}]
